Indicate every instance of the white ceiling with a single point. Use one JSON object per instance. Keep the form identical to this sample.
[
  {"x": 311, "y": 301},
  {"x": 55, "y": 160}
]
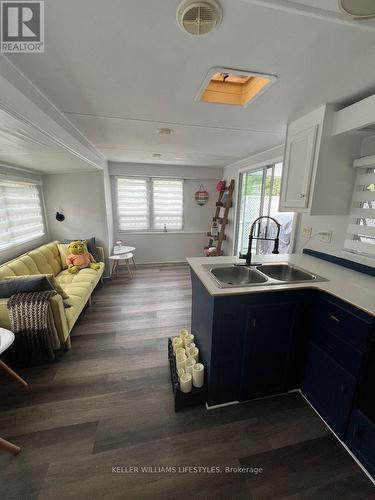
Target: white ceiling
[
  {"x": 23, "y": 145},
  {"x": 121, "y": 69}
]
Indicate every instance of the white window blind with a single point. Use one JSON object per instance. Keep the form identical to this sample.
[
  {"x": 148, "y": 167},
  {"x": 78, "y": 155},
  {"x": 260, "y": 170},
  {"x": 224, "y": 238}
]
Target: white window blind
[
  {"x": 148, "y": 204},
  {"x": 360, "y": 238},
  {"x": 21, "y": 215},
  {"x": 133, "y": 204},
  {"x": 167, "y": 196}
]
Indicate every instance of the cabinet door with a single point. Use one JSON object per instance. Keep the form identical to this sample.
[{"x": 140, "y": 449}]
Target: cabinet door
[
  {"x": 298, "y": 165},
  {"x": 329, "y": 388},
  {"x": 360, "y": 439},
  {"x": 267, "y": 342},
  {"x": 224, "y": 379}
]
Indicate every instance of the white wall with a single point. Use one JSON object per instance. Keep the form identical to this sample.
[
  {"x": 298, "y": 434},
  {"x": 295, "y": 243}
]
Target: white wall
[
  {"x": 81, "y": 198},
  {"x": 159, "y": 247},
  {"x": 13, "y": 173}
]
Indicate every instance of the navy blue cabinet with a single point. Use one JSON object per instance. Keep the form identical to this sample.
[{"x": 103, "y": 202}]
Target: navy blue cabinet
[
  {"x": 267, "y": 348},
  {"x": 329, "y": 388},
  {"x": 360, "y": 438}
]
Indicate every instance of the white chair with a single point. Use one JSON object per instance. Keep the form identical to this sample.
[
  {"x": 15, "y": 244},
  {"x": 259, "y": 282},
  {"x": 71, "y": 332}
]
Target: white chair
[
  {"x": 6, "y": 340},
  {"x": 123, "y": 257}
]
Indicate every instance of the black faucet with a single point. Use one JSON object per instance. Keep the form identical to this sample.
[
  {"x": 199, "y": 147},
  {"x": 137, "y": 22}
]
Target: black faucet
[{"x": 258, "y": 237}]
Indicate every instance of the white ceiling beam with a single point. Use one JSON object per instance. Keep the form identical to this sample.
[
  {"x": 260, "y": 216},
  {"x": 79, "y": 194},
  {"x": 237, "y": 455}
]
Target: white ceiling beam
[
  {"x": 308, "y": 11},
  {"x": 354, "y": 117}
]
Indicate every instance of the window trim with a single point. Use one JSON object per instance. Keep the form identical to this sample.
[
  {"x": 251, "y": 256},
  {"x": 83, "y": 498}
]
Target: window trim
[
  {"x": 39, "y": 186},
  {"x": 151, "y": 204}
]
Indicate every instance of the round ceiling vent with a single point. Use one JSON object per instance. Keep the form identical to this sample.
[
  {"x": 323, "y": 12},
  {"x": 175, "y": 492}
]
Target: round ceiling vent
[
  {"x": 199, "y": 18},
  {"x": 359, "y": 9}
]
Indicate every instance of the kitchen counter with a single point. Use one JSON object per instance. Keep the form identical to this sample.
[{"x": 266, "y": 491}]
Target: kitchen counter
[{"x": 356, "y": 288}]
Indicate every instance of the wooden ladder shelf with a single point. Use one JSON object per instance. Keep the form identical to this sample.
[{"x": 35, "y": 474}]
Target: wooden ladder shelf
[{"x": 225, "y": 203}]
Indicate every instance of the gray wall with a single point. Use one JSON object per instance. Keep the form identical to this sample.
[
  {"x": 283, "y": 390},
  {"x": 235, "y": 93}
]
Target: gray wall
[
  {"x": 81, "y": 198},
  {"x": 159, "y": 247}
]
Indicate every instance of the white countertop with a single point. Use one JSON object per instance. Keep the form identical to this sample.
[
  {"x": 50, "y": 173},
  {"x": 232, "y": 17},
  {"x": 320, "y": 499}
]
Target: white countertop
[{"x": 353, "y": 287}]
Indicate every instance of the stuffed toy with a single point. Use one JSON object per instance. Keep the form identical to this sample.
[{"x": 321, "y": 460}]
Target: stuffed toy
[{"x": 79, "y": 257}]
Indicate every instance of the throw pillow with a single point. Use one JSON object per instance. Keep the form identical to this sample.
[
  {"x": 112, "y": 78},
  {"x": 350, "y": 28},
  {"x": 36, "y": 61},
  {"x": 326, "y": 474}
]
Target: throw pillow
[
  {"x": 64, "y": 252},
  {"x": 55, "y": 285},
  {"x": 91, "y": 246},
  {"x": 24, "y": 284}
]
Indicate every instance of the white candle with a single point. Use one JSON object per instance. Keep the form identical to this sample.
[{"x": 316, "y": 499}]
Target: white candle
[
  {"x": 177, "y": 343},
  {"x": 198, "y": 375},
  {"x": 186, "y": 382},
  {"x": 184, "y": 333},
  {"x": 194, "y": 353},
  {"x": 180, "y": 372},
  {"x": 188, "y": 339},
  {"x": 190, "y": 362},
  {"x": 180, "y": 361},
  {"x": 180, "y": 350}
]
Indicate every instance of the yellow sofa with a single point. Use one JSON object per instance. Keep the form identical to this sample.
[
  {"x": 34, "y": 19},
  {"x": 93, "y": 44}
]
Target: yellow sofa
[{"x": 79, "y": 287}]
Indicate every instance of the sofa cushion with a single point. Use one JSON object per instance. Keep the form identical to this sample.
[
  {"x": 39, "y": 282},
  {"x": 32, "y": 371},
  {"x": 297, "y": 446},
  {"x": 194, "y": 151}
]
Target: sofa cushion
[
  {"x": 87, "y": 275},
  {"x": 51, "y": 278},
  {"x": 64, "y": 252},
  {"x": 21, "y": 266},
  {"x": 47, "y": 258}
]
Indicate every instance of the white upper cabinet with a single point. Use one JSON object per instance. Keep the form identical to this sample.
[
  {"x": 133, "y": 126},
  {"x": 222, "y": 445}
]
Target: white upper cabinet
[
  {"x": 318, "y": 175},
  {"x": 298, "y": 164}
]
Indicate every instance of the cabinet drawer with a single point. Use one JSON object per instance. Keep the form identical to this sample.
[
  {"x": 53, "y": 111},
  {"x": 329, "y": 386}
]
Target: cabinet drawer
[
  {"x": 360, "y": 439},
  {"x": 329, "y": 388},
  {"x": 345, "y": 354},
  {"x": 349, "y": 326}
]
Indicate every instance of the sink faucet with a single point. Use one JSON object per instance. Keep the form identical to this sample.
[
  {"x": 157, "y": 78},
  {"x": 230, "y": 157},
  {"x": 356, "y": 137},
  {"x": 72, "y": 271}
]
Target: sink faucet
[{"x": 258, "y": 237}]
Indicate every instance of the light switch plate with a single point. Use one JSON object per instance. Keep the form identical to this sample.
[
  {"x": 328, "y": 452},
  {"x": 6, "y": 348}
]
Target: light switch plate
[
  {"x": 307, "y": 231},
  {"x": 326, "y": 236}
]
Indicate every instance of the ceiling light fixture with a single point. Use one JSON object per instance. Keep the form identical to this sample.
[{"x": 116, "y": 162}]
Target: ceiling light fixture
[
  {"x": 165, "y": 131},
  {"x": 358, "y": 9}
]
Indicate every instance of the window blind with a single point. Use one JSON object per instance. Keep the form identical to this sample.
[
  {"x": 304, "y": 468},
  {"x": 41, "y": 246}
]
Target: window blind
[
  {"x": 360, "y": 238},
  {"x": 167, "y": 195},
  {"x": 21, "y": 215},
  {"x": 133, "y": 204}
]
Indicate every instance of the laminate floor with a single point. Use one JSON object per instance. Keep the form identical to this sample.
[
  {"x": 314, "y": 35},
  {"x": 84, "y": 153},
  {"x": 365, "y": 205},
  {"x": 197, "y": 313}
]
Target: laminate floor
[{"x": 100, "y": 424}]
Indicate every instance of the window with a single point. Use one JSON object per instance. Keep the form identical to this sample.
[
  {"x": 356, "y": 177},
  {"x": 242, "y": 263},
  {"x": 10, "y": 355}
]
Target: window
[
  {"x": 149, "y": 204},
  {"x": 21, "y": 216},
  {"x": 360, "y": 238},
  {"x": 260, "y": 195}
]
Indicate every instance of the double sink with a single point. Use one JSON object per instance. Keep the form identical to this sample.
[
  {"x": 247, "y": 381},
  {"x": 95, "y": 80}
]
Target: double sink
[{"x": 260, "y": 274}]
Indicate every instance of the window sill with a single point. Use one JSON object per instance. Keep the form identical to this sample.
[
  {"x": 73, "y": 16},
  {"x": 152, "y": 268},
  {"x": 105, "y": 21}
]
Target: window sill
[{"x": 160, "y": 232}]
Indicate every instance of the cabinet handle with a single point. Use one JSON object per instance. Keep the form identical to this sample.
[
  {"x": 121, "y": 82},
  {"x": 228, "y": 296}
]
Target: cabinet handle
[
  {"x": 334, "y": 317},
  {"x": 301, "y": 195},
  {"x": 342, "y": 389},
  {"x": 254, "y": 323}
]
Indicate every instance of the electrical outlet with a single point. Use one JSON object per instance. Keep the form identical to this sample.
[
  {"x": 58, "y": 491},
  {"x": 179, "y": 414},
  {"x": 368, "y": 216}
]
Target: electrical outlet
[
  {"x": 325, "y": 236},
  {"x": 307, "y": 231}
]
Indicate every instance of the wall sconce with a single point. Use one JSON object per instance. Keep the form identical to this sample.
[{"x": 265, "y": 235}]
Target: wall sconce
[{"x": 60, "y": 217}]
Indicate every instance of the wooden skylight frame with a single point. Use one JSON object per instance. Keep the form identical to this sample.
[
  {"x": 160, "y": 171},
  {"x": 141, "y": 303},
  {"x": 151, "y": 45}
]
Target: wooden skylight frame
[{"x": 233, "y": 87}]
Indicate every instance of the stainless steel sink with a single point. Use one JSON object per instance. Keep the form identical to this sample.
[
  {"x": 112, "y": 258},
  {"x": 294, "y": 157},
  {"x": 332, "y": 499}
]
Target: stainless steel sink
[
  {"x": 237, "y": 276},
  {"x": 286, "y": 272},
  {"x": 231, "y": 276}
]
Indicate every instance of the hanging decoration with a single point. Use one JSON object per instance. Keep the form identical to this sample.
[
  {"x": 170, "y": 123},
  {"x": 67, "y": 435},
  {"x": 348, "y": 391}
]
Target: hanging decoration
[{"x": 201, "y": 196}]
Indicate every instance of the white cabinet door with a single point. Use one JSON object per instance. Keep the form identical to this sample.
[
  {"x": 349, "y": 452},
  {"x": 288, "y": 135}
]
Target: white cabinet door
[{"x": 298, "y": 165}]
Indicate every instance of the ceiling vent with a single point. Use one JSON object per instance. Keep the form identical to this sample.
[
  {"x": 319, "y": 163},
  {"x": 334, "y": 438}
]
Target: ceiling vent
[
  {"x": 358, "y": 9},
  {"x": 199, "y": 18}
]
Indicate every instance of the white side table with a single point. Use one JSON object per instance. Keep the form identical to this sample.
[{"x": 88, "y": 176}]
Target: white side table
[
  {"x": 6, "y": 340},
  {"x": 123, "y": 257}
]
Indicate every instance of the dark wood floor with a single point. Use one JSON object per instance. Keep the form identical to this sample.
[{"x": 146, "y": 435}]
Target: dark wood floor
[{"x": 108, "y": 403}]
